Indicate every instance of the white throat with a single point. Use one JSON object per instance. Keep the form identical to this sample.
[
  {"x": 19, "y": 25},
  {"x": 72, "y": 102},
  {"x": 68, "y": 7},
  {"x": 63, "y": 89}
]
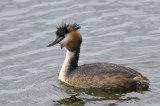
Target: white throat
[{"x": 66, "y": 65}]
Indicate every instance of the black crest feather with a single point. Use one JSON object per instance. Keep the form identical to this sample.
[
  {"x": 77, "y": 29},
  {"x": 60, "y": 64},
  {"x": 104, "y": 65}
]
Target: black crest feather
[{"x": 70, "y": 27}]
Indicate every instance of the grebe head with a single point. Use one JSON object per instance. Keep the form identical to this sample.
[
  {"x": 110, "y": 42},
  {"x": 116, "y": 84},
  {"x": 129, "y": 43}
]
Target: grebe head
[{"x": 68, "y": 36}]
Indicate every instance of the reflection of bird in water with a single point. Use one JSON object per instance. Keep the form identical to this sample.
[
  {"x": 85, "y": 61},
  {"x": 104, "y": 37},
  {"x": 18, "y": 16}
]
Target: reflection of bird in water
[
  {"x": 71, "y": 101},
  {"x": 96, "y": 75},
  {"x": 113, "y": 96}
]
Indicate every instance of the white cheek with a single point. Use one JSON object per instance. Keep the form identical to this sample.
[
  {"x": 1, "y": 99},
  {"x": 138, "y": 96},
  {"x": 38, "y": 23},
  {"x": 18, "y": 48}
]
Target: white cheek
[{"x": 67, "y": 38}]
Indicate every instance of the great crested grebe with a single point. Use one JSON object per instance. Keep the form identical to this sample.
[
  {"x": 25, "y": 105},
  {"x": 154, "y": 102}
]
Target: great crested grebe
[{"x": 96, "y": 75}]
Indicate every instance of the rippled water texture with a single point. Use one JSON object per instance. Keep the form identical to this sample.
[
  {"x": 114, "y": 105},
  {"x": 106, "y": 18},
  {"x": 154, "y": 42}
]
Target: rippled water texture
[{"x": 119, "y": 31}]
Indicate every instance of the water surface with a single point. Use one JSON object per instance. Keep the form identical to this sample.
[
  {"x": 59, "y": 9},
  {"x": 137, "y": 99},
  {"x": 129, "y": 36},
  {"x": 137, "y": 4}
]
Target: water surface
[{"x": 119, "y": 31}]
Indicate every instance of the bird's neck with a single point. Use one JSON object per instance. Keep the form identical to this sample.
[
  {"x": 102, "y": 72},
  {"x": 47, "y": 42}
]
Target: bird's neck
[{"x": 70, "y": 63}]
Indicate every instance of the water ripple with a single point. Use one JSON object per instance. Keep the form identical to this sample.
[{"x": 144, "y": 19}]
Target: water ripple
[{"x": 124, "y": 32}]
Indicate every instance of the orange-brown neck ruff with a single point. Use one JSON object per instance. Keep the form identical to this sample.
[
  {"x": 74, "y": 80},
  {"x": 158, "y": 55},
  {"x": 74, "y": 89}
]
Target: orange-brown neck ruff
[{"x": 75, "y": 42}]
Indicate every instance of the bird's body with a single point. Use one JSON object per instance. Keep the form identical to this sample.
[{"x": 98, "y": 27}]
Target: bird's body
[
  {"x": 95, "y": 75},
  {"x": 105, "y": 75}
]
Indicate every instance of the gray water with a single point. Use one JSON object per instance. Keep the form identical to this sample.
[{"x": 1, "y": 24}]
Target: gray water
[{"x": 124, "y": 32}]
